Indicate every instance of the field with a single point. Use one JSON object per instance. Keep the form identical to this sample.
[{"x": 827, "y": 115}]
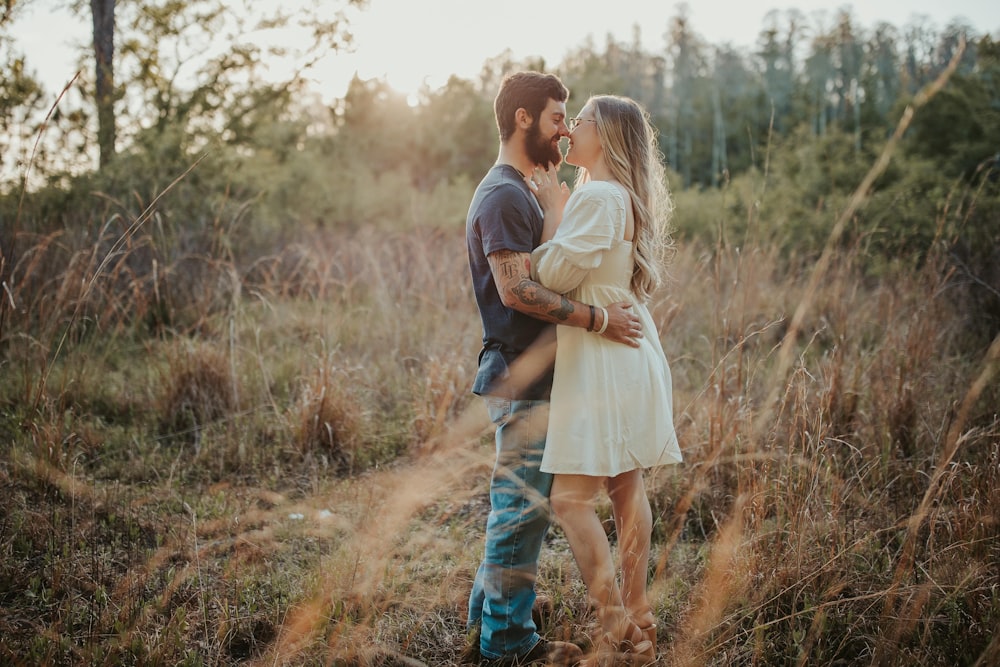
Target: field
[
  {"x": 208, "y": 462},
  {"x": 237, "y": 340}
]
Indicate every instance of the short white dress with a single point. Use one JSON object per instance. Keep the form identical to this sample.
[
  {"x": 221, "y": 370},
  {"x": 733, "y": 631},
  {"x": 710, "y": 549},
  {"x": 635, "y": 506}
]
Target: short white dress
[{"x": 611, "y": 409}]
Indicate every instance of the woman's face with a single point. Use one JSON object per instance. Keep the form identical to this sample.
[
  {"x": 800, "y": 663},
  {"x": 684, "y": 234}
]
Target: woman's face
[{"x": 584, "y": 142}]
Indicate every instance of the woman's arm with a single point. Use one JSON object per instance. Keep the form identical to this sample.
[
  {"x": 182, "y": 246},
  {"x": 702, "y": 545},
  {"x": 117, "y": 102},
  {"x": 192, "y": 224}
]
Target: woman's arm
[{"x": 512, "y": 276}]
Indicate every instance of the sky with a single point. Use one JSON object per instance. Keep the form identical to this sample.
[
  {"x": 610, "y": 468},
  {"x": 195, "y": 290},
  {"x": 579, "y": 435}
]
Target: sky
[{"x": 422, "y": 42}]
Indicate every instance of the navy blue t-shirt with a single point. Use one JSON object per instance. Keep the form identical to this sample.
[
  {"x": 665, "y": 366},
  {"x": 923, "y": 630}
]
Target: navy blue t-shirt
[{"x": 503, "y": 216}]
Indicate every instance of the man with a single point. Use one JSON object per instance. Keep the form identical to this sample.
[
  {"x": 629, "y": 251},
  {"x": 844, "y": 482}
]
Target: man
[{"x": 504, "y": 225}]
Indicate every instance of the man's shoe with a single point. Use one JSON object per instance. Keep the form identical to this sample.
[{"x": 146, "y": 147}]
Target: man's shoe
[
  {"x": 542, "y": 610},
  {"x": 470, "y": 652},
  {"x": 556, "y": 654}
]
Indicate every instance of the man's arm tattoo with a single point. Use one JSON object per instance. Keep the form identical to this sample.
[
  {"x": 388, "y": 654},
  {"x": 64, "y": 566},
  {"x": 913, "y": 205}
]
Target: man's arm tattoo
[
  {"x": 532, "y": 294},
  {"x": 516, "y": 276},
  {"x": 507, "y": 264}
]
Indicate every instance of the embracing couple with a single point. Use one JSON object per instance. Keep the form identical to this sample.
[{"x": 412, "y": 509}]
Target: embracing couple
[{"x": 596, "y": 418}]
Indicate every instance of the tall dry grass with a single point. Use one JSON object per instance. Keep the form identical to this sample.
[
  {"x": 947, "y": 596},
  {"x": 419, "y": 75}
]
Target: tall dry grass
[{"x": 251, "y": 482}]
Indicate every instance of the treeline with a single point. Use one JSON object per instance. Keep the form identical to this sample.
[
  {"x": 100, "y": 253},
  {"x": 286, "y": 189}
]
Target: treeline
[
  {"x": 801, "y": 116},
  {"x": 722, "y": 104}
]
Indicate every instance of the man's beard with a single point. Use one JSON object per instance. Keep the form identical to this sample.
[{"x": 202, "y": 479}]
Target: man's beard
[{"x": 540, "y": 150}]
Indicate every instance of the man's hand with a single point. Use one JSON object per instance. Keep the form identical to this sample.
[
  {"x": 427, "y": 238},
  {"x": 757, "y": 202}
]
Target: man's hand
[{"x": 623, "y": 324}]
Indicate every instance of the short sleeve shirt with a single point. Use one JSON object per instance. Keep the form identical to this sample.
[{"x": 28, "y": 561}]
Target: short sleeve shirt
[{"x": 503, "y": 215}]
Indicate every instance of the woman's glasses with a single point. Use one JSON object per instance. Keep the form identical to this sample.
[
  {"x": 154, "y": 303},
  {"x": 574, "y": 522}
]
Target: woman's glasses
[{"x": 573, "y": 123}]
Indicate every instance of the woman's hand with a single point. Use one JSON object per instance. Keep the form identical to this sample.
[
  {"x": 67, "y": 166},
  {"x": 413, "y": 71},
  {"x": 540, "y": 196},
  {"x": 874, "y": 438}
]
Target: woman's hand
[
  {"x": 552, "y": 196},
  {"x": 550, "y": 192}
]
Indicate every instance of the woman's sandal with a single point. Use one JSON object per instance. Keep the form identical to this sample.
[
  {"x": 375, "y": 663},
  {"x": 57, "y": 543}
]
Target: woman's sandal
[
  {"x": 636, "y": 650},
  {"x": 648, "y": 635}
]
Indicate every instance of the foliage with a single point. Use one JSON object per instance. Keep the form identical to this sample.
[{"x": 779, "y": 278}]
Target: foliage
[
  {"x": 807, "y": 109},
  {"x": 21, "y": 98}
]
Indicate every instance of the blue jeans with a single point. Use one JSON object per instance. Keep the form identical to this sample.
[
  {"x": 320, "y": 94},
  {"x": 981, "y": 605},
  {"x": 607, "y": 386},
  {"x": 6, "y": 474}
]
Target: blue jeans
[{"x": 504, "y": 590}]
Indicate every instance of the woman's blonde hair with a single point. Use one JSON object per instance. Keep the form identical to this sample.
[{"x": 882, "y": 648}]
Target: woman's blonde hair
[{"x": 632, "y": 153}]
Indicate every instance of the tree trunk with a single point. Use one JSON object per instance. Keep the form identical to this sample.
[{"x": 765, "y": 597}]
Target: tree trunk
[{"x": 104, "y": 49}]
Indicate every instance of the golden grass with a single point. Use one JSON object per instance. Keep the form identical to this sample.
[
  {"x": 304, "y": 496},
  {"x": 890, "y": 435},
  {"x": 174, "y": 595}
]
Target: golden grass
[{"x": 331, "y": 506}]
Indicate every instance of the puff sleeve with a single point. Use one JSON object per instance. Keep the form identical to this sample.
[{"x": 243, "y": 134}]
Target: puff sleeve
[{"x": 587, "y": 231}]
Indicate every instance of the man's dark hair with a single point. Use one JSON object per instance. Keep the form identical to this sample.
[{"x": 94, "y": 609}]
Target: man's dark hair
[{"x": 528, "y": 90}]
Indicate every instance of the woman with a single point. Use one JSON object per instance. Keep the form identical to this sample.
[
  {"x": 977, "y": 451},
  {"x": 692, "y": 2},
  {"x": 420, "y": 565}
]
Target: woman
[{"x": 610, "y": 415}]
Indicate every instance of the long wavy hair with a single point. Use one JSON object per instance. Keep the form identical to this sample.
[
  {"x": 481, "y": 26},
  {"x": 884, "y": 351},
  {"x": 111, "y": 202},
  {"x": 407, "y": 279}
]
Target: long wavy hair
[{"x": 632, "y": 153}]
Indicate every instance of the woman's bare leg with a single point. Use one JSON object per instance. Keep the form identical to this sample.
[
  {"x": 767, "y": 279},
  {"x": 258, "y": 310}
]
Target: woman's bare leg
[
  {"x": 634, "y": 524},
  {"x": 574, "y": 504}
]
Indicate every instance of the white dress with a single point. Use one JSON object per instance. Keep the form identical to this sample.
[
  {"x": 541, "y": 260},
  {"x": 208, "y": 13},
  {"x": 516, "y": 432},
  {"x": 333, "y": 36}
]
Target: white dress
[{"x": 611, "y": 409}]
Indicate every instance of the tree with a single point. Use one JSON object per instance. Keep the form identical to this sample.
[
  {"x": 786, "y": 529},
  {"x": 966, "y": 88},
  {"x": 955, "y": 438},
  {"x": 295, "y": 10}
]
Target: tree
[
  {"x": 882, "y": 82},
  {"x": 103, "y": 12},
  {"x": 959, "y": 128},
  {"x": 586, "y": 71},
  {"x": 819, "y": 73},
  {"x": 20, "y": 99},
  {"x": 688, "y": 64},
  {"x": 742, "y": 115},
  {"x": 436, "y": 156},
  {"x": 849, "y": 56},
  {"x": 777, "y": 56},
  {"x": 189, "y": 72}
]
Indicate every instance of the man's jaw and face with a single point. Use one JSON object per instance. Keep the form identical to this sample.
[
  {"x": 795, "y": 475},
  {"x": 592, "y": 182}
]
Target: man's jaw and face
[{"x": 541, "y": 142}]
